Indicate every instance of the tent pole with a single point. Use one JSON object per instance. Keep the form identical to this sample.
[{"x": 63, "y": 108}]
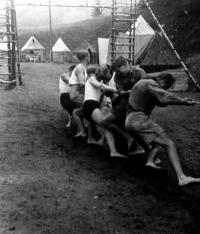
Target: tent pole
[
  {"x": 172, "y": 47},
  {"x": 50, "y": 33}
]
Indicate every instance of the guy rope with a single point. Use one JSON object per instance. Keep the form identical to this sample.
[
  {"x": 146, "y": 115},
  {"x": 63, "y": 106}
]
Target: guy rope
[{"x": 172, "y": 47}]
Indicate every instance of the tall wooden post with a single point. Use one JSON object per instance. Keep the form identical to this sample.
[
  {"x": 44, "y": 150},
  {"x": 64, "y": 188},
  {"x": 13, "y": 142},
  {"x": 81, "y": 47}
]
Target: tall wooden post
[
  {"x": 15, "y": 32},
  {"x": 8, "y": 40},
  {"x": 13, "y": 40},
  {"x": 50, "y": 33}
]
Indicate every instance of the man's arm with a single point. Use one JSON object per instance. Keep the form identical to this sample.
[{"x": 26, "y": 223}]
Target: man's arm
[
  {"x": 65, "y": 77},
  {"x": 164, "y": 97}
]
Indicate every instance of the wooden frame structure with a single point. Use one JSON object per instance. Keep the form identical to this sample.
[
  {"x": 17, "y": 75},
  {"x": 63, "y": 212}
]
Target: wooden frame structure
[
  {"x": 130, "y": 16},
  {"x": 9, "y": 57},
  {"x": 117, "y": 16}
]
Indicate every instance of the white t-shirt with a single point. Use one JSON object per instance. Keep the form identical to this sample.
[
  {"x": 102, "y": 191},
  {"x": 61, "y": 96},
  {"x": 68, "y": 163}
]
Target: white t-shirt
[
  {"x": 63, "y": 86},
  {"x": 92, "y": 92},
  {"x": 73, "y": 80}
]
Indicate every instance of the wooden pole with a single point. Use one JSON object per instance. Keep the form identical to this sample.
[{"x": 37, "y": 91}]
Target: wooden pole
[
  {"x": 13, "y": 37},
  {"x": 113, "y": 32},
  {"x": 17, "y": 43},
  {"x": 8, "y": 40},
  {"x": 172, "y": 47},
  {"x": 50, "y": 33}
]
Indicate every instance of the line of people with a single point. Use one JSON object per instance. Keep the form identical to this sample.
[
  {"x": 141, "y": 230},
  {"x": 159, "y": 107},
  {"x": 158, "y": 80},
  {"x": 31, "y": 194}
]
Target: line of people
[{"x": 117, "y": 101}]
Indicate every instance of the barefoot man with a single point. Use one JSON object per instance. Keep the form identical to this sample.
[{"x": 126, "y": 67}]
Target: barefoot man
[{"x": 145, "y": 95}]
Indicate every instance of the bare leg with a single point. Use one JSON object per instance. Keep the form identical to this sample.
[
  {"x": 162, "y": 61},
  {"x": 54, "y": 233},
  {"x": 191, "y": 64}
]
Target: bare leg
[
  {"x": 91, "y": 139},
  {"x": 68, "y": 125},
  {"x": 151, "y": 158},
  {"x": 108, "y": 122},
  {"x": 81, "y": 132},
  {"x": 97, "y": 116},
  {"x": 111, "y": 144},
  {"x": 183, "y": 180}
]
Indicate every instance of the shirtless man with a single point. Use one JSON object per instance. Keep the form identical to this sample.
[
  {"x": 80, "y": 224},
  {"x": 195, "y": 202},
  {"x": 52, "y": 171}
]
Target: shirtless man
[
  {"x": 125, "y": 76},
  {"x": 145, "y": 95}
]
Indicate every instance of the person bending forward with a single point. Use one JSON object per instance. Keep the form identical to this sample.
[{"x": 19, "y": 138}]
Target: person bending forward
[{"x": 145, "y": 95}]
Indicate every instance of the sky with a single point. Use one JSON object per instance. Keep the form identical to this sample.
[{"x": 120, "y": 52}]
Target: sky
[{"x": 38, "y": 16}]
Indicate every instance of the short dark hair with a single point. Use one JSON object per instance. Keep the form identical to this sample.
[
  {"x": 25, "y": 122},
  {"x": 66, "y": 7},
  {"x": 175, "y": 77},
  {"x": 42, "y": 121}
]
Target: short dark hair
[
  {"x": 166, "y": 77},
  {"x": 118, "y": 62},
  {"x": 91, "y": 70},
  {"x": 101, "y": 70},
  {"x": 82, "y": 54}
]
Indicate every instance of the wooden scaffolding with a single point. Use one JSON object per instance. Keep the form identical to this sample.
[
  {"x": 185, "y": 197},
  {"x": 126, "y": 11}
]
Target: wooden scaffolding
[
  {"x": 124, "y": 11},
  {"x": 9, "y": 53}
]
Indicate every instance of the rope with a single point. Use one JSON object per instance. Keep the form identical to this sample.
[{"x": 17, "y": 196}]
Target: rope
[{"x": 172, "y": 47}]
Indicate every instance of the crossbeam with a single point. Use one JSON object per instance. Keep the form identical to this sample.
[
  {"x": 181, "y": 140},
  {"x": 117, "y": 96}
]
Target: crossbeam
[{"x": 67, "y": 5}]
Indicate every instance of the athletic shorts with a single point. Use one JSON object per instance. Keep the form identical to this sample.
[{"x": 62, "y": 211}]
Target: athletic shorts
[
  {"x": 120, "y": 109},
  {"x": 88, "y": 107},
  {"x": 144, "y": 126},
  {"x": 66, "y": 103}
]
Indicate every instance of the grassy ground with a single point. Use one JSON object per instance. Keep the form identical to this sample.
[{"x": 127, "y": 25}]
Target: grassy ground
[{"x": 53, "y": 184}]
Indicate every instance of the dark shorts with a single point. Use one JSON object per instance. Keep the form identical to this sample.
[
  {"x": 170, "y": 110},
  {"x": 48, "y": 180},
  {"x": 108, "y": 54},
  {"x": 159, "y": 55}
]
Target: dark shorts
[
  {"x": 66, "y": 103},
  {"x": 144, "y": 126},
  {"x": 120, "y": 109},
  {"x": 88, "y": 107}
]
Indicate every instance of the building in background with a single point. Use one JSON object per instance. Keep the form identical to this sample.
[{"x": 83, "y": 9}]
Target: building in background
[{"x": 33, "y": 51}]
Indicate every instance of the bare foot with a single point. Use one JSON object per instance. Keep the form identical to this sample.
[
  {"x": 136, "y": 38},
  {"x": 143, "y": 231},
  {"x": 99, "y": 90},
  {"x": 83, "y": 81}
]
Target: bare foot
[
  {"x": 117, "y": 155},
  {"x": 158, "y": 161},
  {"x": 80, "y": 134},
  {"x": 153, "y": 165},
  {"x": 92, "y": 142},
  {"x": 130, "y": 142},
  {"x": 188, "y": 180},
  {"x": 136, "y": 152},
  {"x": 68, "y": 125}
]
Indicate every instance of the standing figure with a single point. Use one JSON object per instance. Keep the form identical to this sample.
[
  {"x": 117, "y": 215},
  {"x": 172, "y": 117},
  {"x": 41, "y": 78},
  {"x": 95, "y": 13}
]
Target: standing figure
[
  {"x": 64, "y": 89},
  {"x": 77, "y": 84}
]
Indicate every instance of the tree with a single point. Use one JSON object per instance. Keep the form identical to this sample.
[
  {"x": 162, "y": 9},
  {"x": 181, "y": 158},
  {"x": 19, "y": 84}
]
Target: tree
[{"x": 97, "y": 10}]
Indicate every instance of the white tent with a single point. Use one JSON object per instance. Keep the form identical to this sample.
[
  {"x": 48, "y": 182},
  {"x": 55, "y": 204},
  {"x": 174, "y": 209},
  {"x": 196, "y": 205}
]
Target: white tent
[
  {"x": 33, "y": 50},
  {"x": 32, "y": 44},
  {"x": 60, "y": 46},
  {"x": 143, "y": 36},
  {"x": 61, "y": 52}
]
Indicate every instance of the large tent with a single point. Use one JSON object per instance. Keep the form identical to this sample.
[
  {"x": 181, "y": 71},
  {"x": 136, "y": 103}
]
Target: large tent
[
  {"x": 144, "y": 35},
  {"x": 152, "y": 52},
  {"x": 33, "y": 50},
  {"x": 61, "y": 52},
  {"x": 150, "y": 47},
  {"x": 85, "y": 45}
]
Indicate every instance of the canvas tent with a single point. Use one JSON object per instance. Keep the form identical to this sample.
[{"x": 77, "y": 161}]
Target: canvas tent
[
  {"x": 152, "y": 52},
  {"x": 144, "y": 35},
  {"x": 33, "y": 50},
  {"x": 150, "y": 47},
  {"x": 92, "y": 51},
  {"x": 61, "y": 52}
]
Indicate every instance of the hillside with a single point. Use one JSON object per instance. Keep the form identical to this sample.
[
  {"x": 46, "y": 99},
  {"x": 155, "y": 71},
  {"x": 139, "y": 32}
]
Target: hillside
[
  {"x": 72, "y": 34},
  {"x": 180, "y": 19}
]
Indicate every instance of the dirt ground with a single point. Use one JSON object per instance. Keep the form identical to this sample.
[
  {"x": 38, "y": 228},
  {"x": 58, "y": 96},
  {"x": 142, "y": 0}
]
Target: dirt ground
[{"x": 53, "y": 184}]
